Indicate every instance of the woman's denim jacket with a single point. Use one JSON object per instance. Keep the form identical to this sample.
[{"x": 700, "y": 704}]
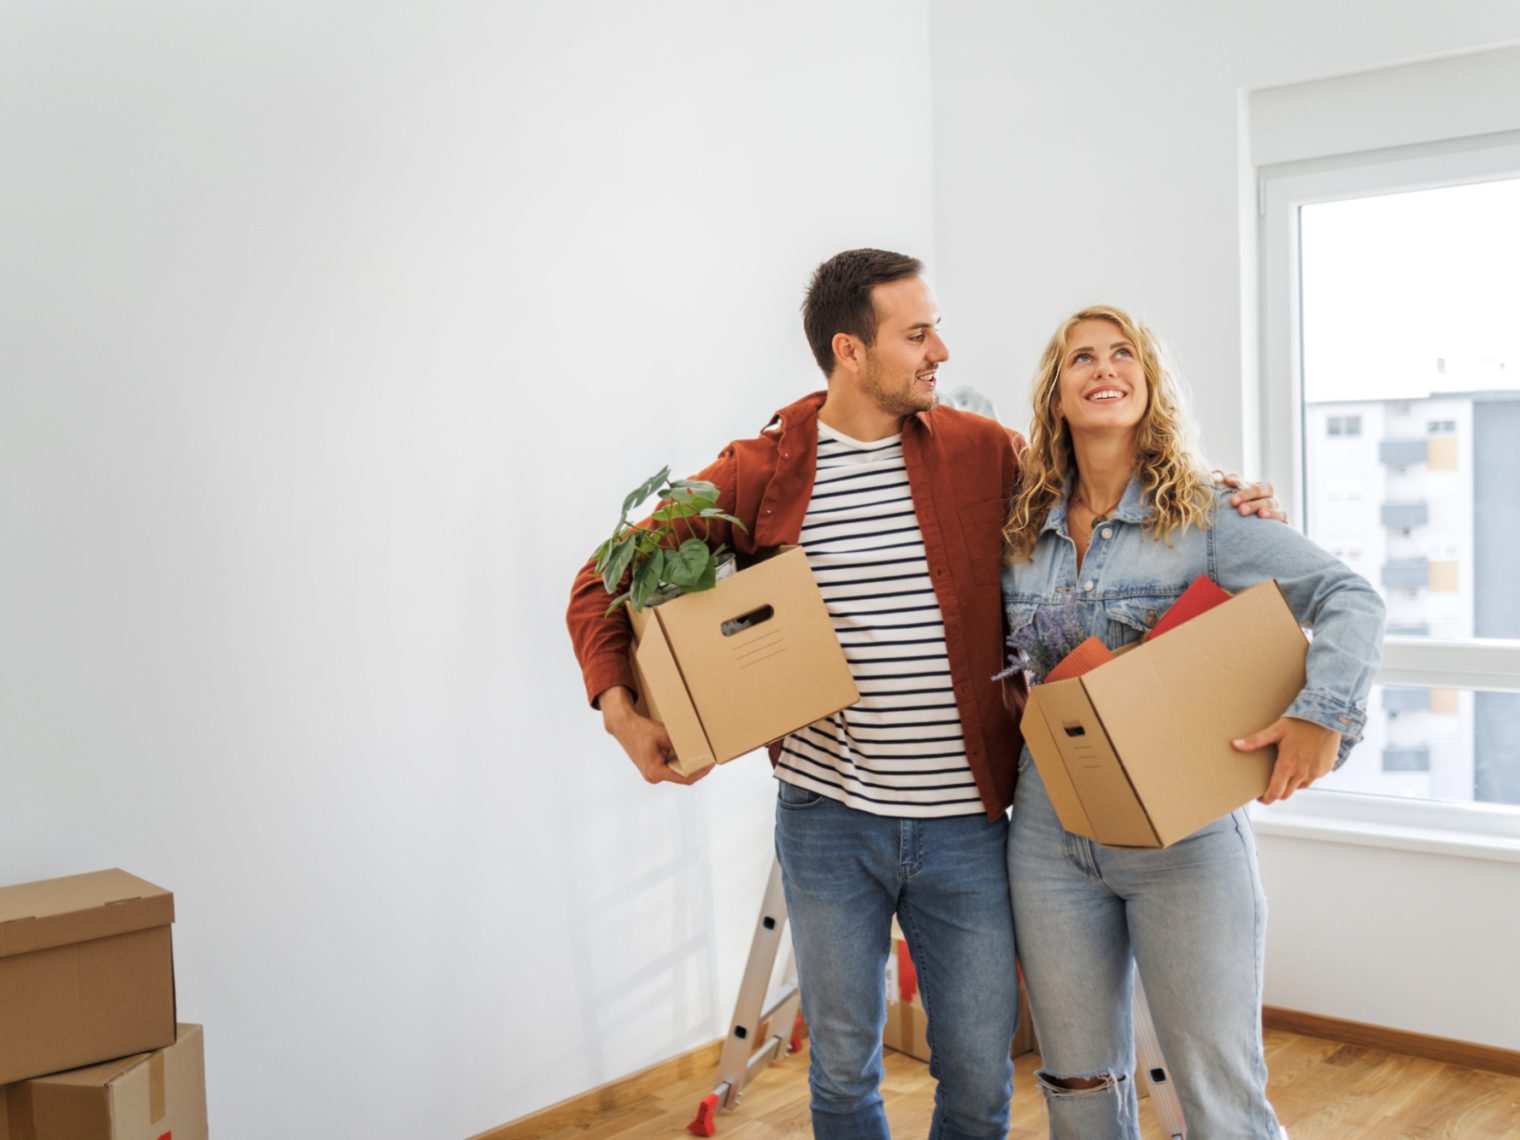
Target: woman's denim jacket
[{"x": 1128, "y": 579}]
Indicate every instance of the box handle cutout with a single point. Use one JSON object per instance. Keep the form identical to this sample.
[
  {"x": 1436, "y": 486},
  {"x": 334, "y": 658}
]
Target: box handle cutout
[
  {"x": 747, "y": 621},
  {"x": 1075, "y": 730}
]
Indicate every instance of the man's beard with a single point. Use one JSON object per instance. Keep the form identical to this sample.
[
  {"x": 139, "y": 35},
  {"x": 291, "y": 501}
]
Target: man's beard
[{"x": 902, "y": 401}]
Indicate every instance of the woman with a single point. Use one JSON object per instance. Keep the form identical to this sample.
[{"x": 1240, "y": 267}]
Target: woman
[{"x": 1114, "y": 517}]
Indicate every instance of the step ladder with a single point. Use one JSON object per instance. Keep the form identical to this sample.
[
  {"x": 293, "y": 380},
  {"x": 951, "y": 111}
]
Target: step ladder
[
  {"x": 1152, "y": 1065},
  {"x": 763, "y": 1022}
]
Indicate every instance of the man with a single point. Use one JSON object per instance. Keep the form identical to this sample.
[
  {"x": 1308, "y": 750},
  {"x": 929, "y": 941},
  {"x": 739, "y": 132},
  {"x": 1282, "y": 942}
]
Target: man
[{"x": 895, "y": 806}]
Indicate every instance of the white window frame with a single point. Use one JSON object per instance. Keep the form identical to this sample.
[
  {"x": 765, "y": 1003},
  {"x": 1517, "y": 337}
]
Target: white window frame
[{"x": 1471, "y": 830}]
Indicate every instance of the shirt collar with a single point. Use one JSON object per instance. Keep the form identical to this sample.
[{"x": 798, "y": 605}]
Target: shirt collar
[
  {"x": 807, "y": 408},
  {"x": 797, "y": 412}
]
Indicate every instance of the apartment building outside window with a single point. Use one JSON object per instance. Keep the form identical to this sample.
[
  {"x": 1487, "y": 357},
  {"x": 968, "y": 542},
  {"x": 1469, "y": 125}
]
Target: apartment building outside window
[{"x": 1392, "y": 389}]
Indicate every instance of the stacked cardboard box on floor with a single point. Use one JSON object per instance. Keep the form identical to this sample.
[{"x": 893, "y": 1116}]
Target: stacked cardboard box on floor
[
  {"x": 90, "y": 1049},
  {"x": 148, "y": 1096},
  {"x": 907, "y": 1024}
]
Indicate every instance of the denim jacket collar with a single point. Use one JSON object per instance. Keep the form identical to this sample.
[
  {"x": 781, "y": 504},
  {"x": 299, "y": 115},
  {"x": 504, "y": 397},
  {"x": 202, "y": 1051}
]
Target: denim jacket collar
[{"x": 1133, "y": 507}]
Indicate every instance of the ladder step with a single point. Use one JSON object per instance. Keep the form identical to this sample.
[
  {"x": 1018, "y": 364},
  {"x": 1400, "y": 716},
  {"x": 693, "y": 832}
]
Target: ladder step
[{"x": 783, "y": 995}]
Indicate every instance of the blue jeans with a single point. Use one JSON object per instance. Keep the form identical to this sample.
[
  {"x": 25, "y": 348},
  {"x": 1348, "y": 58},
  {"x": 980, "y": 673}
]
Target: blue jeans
[
  {"x": 1193, "y": 917},
  {"x": 845, "y": 874}
]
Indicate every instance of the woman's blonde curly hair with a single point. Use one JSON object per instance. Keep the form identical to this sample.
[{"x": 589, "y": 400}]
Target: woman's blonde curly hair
[{"x": 1173, "y": 477}]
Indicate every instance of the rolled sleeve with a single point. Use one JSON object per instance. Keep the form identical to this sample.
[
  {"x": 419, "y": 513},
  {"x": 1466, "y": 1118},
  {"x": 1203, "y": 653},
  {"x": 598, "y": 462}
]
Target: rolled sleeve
[
  {"x": 1339, "y": 605},
  {"x": 1325, "y": 710}
]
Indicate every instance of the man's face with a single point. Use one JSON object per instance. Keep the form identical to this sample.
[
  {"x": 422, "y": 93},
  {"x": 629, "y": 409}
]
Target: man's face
[{"x": 900, "y": 366}]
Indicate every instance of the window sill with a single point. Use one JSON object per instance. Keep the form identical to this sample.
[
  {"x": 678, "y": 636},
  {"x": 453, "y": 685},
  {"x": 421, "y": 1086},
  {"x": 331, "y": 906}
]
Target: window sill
[
  {"x": 1468, "y": 831},
  {"x": 1424, "y": 840}
]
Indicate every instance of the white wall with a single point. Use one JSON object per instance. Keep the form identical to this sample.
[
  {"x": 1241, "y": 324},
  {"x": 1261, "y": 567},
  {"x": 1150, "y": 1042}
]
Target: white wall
[
  {"x": 1412, "y": 940},
  {"x": 332, "y": 336},
  {"x": 329, "y": 332},
  {"x": 1096, "y": 153}
]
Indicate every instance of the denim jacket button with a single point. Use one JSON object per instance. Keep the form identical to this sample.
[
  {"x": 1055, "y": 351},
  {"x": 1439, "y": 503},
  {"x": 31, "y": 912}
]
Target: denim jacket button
[
  {"x": 1108, "y": 532},
  {"x": 1087, "y": 586}
]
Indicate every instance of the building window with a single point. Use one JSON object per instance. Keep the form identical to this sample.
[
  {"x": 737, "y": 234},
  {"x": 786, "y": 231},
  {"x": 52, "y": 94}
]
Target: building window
[
  {"x": 1415, "y": 759},
  {"x": 1387, "y": 310},
  {"x": 1343, "y": 425}
]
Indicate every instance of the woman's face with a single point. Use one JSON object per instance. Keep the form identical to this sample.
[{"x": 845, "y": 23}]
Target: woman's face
[{"x": 1102, "y": 386}]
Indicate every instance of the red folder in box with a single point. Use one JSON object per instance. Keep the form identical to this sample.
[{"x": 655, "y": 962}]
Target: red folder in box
[
  {"x": 1200, "y": 597},
  {"x": 1203, "y": 595}
]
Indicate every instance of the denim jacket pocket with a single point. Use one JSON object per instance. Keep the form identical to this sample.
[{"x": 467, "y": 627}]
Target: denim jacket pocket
[
  {"x": 1018, "y": 617},
  {"x": 1133, "y": 617},
  {"x": 1020, "y": 614}
]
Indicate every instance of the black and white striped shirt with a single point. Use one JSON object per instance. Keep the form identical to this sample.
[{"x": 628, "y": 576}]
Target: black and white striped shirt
[{"x": 899, "y": 751}]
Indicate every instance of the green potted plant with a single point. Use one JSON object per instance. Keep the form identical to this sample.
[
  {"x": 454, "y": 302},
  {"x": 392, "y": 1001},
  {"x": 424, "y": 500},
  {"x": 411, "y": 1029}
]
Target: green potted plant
[{"x": 664, "y": 557}]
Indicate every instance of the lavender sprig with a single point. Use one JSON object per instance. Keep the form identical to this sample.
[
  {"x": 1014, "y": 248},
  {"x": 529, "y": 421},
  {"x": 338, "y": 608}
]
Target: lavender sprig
[{"x": 1038, "y": 647}]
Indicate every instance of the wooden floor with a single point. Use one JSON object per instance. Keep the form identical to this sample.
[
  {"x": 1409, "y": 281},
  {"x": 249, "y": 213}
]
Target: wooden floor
[{"x": 1321, "y": 1090}]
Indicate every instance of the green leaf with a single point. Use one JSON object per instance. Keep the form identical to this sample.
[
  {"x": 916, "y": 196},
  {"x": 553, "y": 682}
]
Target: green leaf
[
  {"x": 617, "y": 562},
  {"x": 708, "y": 579},
  {"x": 637, "y": 596},
  {"x": 698, "y": 493},
  {"x": 644, "y": 490},
  {"x": 715, "y": 513},
  {"x": 620, "y": 600},
  {"x": 675, "y": 511},
  {"x": 605, "y": 551},
  {"x": 646, "y": 579},
  {"x": 685, "y": 565}
]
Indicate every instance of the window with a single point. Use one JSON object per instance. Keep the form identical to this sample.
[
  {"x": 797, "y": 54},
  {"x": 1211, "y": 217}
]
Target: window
[
  {"x": 1387, "y": 316},
  {"x": 1343, "y": 425}
]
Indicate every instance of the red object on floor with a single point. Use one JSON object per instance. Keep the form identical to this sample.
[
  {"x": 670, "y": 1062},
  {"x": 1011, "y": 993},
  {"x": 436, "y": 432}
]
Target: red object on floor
[
  {"x": 1203, "y": 595},
  {"x": 795, "y": 1044},
  {"x": 907, "y": 976},
  {"x": 706, "y": 1122}
]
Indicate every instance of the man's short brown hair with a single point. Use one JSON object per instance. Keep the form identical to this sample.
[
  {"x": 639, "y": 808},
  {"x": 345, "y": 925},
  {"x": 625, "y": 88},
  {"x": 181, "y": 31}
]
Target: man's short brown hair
[{"x": 839, "y": 297}]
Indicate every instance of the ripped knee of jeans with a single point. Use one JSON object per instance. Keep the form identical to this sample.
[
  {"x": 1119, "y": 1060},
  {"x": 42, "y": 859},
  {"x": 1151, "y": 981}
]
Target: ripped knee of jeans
[{"x": 1080, "y": 1086}]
